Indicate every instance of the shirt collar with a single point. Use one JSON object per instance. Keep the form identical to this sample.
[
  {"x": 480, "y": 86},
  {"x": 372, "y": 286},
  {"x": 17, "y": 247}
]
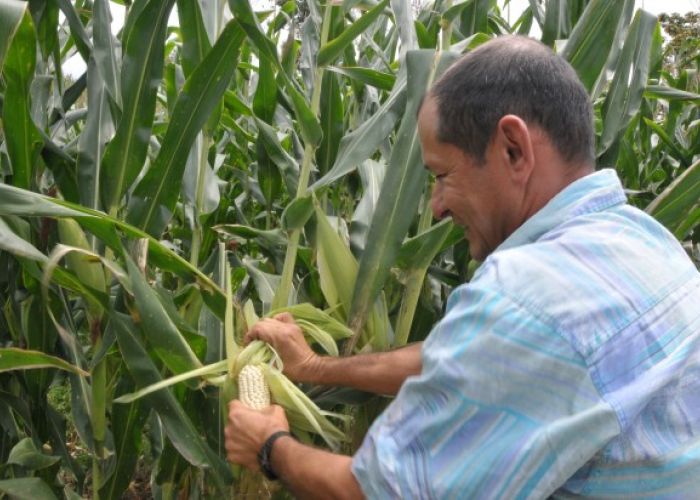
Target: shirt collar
[{"x": 593, "y": 193}]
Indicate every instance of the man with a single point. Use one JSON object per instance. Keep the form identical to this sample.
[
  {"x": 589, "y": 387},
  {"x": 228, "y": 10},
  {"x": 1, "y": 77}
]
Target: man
[{"x": 568, "y": 366}]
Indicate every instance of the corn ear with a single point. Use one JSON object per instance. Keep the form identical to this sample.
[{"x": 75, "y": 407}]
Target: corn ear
[
  {"x": 88, "y": 271},
  {"x": 301, "y": 411},
  {"x": 252, "y": 387}
]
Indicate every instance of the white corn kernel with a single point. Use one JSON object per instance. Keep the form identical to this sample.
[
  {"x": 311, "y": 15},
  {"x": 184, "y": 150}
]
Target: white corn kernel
[{"x": 252, "y": 387}]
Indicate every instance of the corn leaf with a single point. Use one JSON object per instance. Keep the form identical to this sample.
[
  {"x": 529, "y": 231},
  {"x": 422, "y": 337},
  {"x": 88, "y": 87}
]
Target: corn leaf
[
  {"x": 208, "y": 370},
  {"x": 195, "y": 41},
  {"x": 162, "y": 334},
  {"x": 127, "y": 425},
  {"x": 403, "y": 18},
  {"x": 99, "y": 129},
  {"x": 594, "y": 36},
  {"x": 27, "y": 488},
  {"x": 177, "y": 425},
  {"x": 25, "y": 454},
  {"x": 11, "y": 242},
  {"x": 332, "y": 118},
  {"x": 15, "y": 201},
  {"x": 144, "y": 39},
  {"x": 670, "y": 94},
  {"x": 319, "y": 318},
  {"x": 337, "y": 267},
  {"x": 382, "y": 81},
  {"x": 401, "y": 190},
  {"x": 331, "y": 50},
  {"x": 21, "y": 359},
  {"x": 11, "y": 13},
  {"x": 362, "y": 142},
  {"x": 671, "y": 207},
  {"x": 631, "y": 74},
  {"x": 244, "y": 15},
  {"x": 156, "y": 194},
  {"x": 77, "y": 30},
  {"x": 105, "y": 50},
  {"x": 24, "y": 143}
]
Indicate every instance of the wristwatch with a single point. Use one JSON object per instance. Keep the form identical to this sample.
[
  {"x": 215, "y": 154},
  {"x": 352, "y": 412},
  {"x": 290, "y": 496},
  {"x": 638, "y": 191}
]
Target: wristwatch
[{"x": 264, "y": 459}]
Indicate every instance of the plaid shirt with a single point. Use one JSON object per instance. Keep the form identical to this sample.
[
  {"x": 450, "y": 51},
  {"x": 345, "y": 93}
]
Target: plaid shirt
[{"x": 569, "y": 365}]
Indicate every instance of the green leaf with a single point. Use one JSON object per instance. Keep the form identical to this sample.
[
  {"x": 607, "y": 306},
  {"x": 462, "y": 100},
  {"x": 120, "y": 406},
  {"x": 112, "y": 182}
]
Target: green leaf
[
  {"x": 98, "y": 130},
  {"x": 403, "y": 18},
  {"x": 27, "y": 455},
  {"x": 331, "y": 50},
  {"x": 594, "y": 36},
  {"x": 265, "y": 283},
  {"x": 670, "y": 94},
  {"x": 195, "y": 41},
  {"x": 156, "y": 194},
  {"x": 243, "y": 14},
  {"x": 401, "y": 189},
  {"x": 21, "y": 359},
  {"x": 16, "y": 245},
  {"x": 142, "y": 72},
  {"x": 321, "y": 319},
  {"x": 105, "y": 49},
  {"x": 27, "y": 488},
  {"x": 374, "y": 78},
  {"x": 45, "y": 14},
  {"x": 419, "y": 251},
  {"x": 362, "y": 142},
  {"x": 273, "y": 237},
  {"x": 288, "y": 166},
  {"x": 162, "y": 334},
  {"x": 127, "y": 425},
  {"x": 332, "y": 117},
  {"x": 23, "y": 139},
  {"x": 415, "y": 256},
  {"x": 372, "y": 174},
  {"x": 631, "y": 73},
  {"x": 15, "y": 201},
  {"x": 311, "y": 130},
  {"x": 297, "y": 213},
  {"x": 11, "y": 13},
  {"x": 179, "y": 428},
  {"x": 265, "y": 98},
  {"x": 683, "y": 156},
  {"x": 77, "y": 30},
  {"x": 474, "y": 18},
  {"x": 337, "y": 267},
  {"x": 455, "y": 10},
  {"x": 671, "y": 207}
]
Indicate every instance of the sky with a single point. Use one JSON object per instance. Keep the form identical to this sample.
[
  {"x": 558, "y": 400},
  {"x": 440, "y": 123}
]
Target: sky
[{"x": 75, "y": 65}]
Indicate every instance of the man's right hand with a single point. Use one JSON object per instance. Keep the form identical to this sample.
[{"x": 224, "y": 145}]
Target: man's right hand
[{"x": 301, "y": 364}]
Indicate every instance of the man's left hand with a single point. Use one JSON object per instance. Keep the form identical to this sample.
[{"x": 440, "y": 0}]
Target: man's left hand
[{"x": 248, "y": 429}]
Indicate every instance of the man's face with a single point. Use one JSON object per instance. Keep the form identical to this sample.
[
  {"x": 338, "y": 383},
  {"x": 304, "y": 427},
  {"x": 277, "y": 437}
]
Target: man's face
[{"x": 476, "y": 196}]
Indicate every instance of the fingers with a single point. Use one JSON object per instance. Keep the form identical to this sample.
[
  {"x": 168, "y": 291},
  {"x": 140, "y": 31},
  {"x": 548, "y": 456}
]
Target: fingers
[
  {"x": 285, "y": 317},
  {"x": 266, "y": 328},
  {"x": 258, "y": 332}
]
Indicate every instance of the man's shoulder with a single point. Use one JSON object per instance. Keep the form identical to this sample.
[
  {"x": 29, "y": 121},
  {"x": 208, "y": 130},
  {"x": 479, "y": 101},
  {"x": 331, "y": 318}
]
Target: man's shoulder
[{"x": 592, "y": 273}]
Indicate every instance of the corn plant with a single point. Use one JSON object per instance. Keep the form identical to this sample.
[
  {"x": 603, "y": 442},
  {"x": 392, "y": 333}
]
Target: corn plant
[{"x": 235, "y": 165}]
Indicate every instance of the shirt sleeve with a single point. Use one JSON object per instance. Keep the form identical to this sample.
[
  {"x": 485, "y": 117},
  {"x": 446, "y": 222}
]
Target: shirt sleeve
[{"x": 504, "y": 408}]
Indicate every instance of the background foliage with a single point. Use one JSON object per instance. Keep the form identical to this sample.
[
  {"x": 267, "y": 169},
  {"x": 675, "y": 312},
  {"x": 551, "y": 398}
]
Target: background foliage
[{"x": 270, "y": 158}]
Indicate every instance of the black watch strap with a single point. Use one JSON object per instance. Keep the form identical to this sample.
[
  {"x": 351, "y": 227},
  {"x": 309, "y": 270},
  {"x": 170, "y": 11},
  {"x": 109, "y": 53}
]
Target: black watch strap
[{"x": 264, "y": 459}]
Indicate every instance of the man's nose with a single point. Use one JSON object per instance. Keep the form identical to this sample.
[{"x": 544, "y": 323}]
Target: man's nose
[{"x": 436, "y": 204}]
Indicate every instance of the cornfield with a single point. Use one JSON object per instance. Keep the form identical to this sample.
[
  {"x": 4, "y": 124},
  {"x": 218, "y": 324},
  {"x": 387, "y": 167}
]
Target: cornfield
[{"x": 241, "y": 163}]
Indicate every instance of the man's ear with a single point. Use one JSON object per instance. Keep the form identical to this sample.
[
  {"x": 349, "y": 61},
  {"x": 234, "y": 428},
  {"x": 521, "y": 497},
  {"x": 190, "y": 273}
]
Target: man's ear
[{"x": 513, "y": 141}]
